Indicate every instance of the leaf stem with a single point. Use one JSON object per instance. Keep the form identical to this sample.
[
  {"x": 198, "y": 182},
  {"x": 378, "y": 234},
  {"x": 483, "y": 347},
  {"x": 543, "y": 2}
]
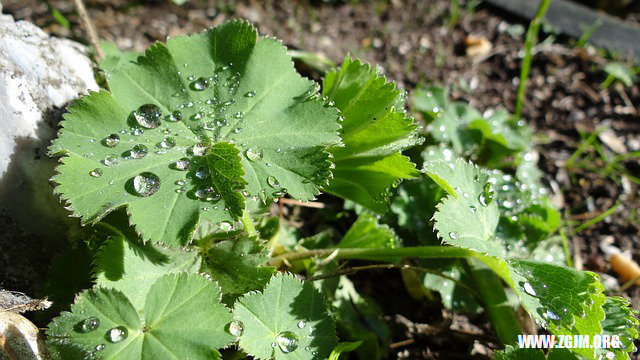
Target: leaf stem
[
  {"x": 249, "y": 228},
  {"x": 424, "y": 252}
]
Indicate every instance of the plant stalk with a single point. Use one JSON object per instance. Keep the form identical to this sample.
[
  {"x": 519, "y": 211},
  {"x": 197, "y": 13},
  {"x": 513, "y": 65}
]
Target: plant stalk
[{"x": 249, "y": 228}]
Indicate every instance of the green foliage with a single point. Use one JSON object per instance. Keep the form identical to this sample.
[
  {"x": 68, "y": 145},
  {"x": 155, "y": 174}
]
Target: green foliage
[
  {"x": 375, "y": 130},
  {"x": 288, "y": 320},
  {"x": 198, "y": 117},
  {"x": 200, "y": 135},
  {"x": 104, "y": 323}
]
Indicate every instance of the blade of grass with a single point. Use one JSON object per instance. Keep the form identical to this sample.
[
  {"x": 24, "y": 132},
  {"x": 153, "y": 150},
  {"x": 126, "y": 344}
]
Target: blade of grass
[
  {"x": 531, "y": 39},
  {"x": 596, "y": 219}
]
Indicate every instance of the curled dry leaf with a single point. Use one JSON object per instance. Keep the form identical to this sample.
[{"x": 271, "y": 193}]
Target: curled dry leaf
[{"x": 19, "y": 338}]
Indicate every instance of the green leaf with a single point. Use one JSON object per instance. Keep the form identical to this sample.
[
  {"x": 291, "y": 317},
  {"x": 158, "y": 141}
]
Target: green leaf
[
  {"x": 621, "y": 72},
  {"x": 343, "y": 348},
  {"x": 104, "y": 323},
  {"x": 620, "y": 320},
  {"x": 375, "y": 130},
  {"x": 114, "y": 57},
  {"x": 269, "y": 114},
  {"x": 359, "y": 318},
  {"x": 238, "y": 265},
  {"x": 468, "y": 217},
  {"x": 454, "y": 297},
  {"x": 562, "y": 299},
  {"x": 430, "y": 101},
  {"x": 132, "y": 268},
  {"x": 366, "y": 232},
  {"x": 288, "y": 320}
]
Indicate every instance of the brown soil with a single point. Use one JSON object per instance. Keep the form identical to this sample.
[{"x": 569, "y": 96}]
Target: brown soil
[{"x": 412, "y": 43}]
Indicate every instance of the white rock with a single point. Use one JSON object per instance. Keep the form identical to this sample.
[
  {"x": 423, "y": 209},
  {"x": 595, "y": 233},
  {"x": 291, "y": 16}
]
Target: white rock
[{"x": 39, "y": 76}]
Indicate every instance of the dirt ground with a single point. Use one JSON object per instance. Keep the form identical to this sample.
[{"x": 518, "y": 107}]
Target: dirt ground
[{"x": 413, "y": 44}]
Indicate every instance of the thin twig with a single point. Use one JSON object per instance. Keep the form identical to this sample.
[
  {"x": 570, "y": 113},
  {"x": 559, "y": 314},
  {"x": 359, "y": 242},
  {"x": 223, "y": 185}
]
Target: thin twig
[
  {"x": 402, "y": 343},
  {"x": 91, "y": 30},
  {"x": 310, "y": 204}
]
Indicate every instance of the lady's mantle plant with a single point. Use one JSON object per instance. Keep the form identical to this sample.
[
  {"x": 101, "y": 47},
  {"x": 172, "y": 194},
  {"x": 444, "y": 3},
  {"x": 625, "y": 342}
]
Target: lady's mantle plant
[{"x": 197, "y": 135}]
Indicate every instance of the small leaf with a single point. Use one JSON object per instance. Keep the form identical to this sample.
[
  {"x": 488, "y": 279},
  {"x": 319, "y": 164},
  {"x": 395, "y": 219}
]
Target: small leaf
[
  {"x": 343, "y": 348},
  {"x": 151, "y": 142},
  {"x": 132, "y": 268},
  {"x": 620, "y": 320},
  {"x": 430, "y": 101},
  {"x": 288, "y": 320},
  {"x": 103, "y": 322},
  {"x": 468, "y": 217},
  {"x": 621, "y": 72},
  {"x": 366, "y": 232},
  {"x": 238, "y": 265},
  {"x": 375, "y": 131}
]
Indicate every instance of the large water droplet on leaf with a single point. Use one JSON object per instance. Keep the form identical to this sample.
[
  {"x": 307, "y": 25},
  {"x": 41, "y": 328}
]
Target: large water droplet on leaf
[
  {"x": 95, "y": 173},
  {"x": 273, "y": 182},
  {"x": 287, "y": 341},
  {"x": 148, "y": 115},
  {"x": 110, "y": 160},
  {"x": 117, "y": 334},
  {"x": 487, "y": 195},
  {"x": 111, "y": 140},
  {"x": 301, "y": 324},
  {"x": 146, "y": 183},
  {"x": 139, "y": 151},
  {"x": 89, "y": 324},
  {"x": 529, "y": 289},
  {"x": 200, "y": 149},
  {"x": 453, "y": 235},
  {"x": 200, "y": 84},
  {"x": 236, "y": 328},
  {"x": 202, "y": 172},
  {"x": 253, "y": 154}
]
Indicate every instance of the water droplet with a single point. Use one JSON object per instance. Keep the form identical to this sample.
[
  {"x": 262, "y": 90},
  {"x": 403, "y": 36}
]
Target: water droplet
[
  {"x": 202, "y": 172},
  {"x": 226, "y": 226},
  {"x": 139, "y": 151},
  {"x": 111, "y": 140},
  {"x": 99, "y": 347},
  {"x": 237, "y": 130},
  {"x": 253, "y": 154},
  {"x": 197, "y": 116},
  {"x": 473, "y": 208},
  {"x": 200, "y": 149},
  {"x": 174, "y": 116},
  {"x": 453, "y": 235},
  {"x": 117, "y": 334},
  {"x": 167, "y": 143},
  {"x": 110, "y": 160},
  {"x": 96, "y": 173},
  {"x": 287, "y": 341},
  {"x": 301, "y": 324},
  {"x": 238, "y": 115},
  {"x": 486, "y": 196},
  {"x": 146, "y": 183},
  {"x": 551, "y": 315},
  {"x": 200, "y": 84},
  {"x": 148, "y": 115},
  {"x": 250, "y": 94},
  {"x": 191, "y": 77},
  {"x": 183, "y": 164},
  {"x": 273, "y": 182},
  {"x": 89, "y": 324},
  {"x": 529, "y": 289},
  {"x": 236, "y": 328},
  {"x": 207, "y": 194}
]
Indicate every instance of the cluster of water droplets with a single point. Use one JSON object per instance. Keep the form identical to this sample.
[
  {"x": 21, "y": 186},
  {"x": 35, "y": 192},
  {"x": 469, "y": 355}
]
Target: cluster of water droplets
[{"x": 112, "y": 335}]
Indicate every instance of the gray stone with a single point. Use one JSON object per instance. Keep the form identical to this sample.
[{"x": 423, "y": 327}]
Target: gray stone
[{"x": 39, "y": 76}]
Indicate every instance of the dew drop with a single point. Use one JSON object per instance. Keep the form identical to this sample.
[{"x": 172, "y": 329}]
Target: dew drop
[
  {"x": 301, "y": 324},
  {"x": 174, "y": 116},
  {"x": 139, "y": 151},
  {"x": 551, "y": 315},
  {"x": 146, "y": 183},
  {"x": 183, "y": 164},
  {"x": 202, "y": 172},
  {"x": 287, "y": 341},
  {"x": 273, "y": 182},
  {"x": 197, "y": 116},
  {"x": 200, "y": 84},
  {"x": 96, "y": 173},
  {"x": 253, "y": 154},
  {"x": 226, "y": 226},
  {"x": 200, "y": 149},
  {"x": 236, "y": 328},
  {"x": 453, "y": 235},
  {"x": 111, "y": 140},
  {"x": 99, "y": 347},
  {"x": 110, "y": 160},
  {"x": 167, "y": 143},
  {"x": 117, "y": 334},
  {"x": 89, "y": 324},
  {"x": 148, "y": 115},
  {"x": 486, "y": 196},
  {"x": 473, "y": 208},
  {"x": 529, "y": 289},
  {"x": 250, "y": 94}
]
